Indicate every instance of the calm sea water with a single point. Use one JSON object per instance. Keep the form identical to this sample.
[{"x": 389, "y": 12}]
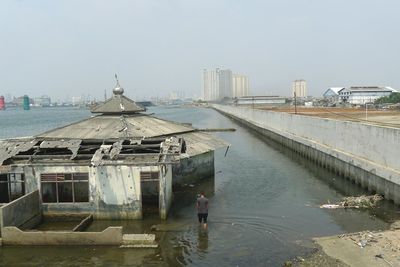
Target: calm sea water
[
  {"x": 264, "y": 204},
  {"x": 18, "y": 122}
]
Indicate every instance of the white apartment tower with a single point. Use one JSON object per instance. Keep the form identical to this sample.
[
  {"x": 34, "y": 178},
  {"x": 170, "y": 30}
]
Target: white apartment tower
[
  {"x": 217, "y": 84},
  {"x": 240, "y": 85},
  {"x": 225, "y": 83},
  {"x": 210, "y": 85},
  {"x": 300, "y": 88}
]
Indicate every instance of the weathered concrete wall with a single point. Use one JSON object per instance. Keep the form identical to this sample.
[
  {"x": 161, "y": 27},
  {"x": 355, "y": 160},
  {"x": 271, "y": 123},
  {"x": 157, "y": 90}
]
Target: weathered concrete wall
[
  {"x": 364, "y": 153},
  {"x": 192, "y": 169},
  {"x": 22, "y": 212},
  {"x": 114, "y": 191},
  {"x": 14, "y": 236}
]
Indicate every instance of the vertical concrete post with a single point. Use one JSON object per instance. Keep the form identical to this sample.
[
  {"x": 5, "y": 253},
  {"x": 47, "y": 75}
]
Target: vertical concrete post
[
  {"x": 165, "y": 193},
  {"x": 1, "y": 222}
]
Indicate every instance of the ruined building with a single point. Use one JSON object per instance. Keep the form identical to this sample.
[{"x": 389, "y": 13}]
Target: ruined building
[{"x": 108, "y": 165}]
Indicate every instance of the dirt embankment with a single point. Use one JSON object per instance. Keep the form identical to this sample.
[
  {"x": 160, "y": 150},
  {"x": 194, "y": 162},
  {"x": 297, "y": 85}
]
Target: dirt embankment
[{"x": 390, "y": 118}]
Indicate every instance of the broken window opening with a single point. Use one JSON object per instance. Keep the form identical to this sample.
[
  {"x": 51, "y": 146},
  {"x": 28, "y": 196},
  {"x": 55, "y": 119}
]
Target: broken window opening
[
  {"x": 149, "y": 176},
  {"x": 64, "y": 187},
  {"x": 150, "y": 189},
  {"x": 12, "y": 186}
]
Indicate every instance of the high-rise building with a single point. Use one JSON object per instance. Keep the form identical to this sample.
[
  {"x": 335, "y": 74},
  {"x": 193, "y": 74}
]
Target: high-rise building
[
  {"x": 240, "y": 85},
  {"x": 217, "y": 84},
  {"x": 210, "y": 85},
  {"x": 300, "y": 88},
  {"x": 225, "y": 83}
]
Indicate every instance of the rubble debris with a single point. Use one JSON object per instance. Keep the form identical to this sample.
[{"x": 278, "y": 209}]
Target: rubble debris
[
  {"x": 116, "y": 149},
  {"x": 362, "y": 239},
  {"x": 360, "y": 202},
  {"x": 99, "y": 154}
]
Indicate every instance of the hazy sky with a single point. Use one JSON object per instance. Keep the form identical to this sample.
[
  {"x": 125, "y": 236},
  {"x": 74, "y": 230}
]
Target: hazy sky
[{"x": 74, "y": 47}]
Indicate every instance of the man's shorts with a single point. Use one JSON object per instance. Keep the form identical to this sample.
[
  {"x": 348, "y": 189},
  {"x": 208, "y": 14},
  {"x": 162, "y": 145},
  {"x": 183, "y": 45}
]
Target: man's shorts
[{"x": 202, "y": 217}]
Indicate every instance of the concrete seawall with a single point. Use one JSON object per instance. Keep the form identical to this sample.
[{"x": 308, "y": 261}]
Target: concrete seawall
[{"x": 369, "y": 155}]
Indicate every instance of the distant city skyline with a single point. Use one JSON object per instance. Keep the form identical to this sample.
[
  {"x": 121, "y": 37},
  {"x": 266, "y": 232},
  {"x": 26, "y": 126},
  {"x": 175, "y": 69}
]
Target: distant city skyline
[
  {"x": 61, "y": 48},
  {"x": 223, "y": 83}
]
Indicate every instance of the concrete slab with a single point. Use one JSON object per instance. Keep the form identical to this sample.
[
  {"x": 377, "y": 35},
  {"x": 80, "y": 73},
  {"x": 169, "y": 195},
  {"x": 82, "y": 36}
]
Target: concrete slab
[
  {"x": 139, "y": 241},
  {"x": 16, "y": 237}
]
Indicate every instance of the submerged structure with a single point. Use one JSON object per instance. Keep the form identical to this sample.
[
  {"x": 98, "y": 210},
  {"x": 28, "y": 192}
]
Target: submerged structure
[{"x": 110, "y": 165}]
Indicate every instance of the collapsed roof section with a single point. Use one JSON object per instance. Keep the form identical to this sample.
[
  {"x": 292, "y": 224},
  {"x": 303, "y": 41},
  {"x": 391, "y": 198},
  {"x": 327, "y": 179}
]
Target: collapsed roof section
[
  {"x": 12, "y": 147},
  {"x": 91, "y": 152}
]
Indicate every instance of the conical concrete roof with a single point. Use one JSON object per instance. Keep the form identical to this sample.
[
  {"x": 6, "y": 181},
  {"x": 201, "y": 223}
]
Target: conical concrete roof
[{"x": 118, "y": 104}]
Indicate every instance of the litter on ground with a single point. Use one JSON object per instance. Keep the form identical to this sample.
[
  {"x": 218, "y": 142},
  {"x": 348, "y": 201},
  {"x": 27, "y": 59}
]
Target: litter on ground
[{"x": 364, "y": 202}]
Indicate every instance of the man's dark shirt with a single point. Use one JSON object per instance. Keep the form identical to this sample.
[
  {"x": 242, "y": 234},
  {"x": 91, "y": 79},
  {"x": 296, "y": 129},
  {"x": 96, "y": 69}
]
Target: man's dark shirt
[{"x": 202, "y": 205}]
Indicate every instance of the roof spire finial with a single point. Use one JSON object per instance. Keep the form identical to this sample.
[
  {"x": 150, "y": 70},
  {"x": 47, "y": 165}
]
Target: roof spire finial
[
  {"x": 118, "y": 90},
  {"x": 116, "y": 77}
]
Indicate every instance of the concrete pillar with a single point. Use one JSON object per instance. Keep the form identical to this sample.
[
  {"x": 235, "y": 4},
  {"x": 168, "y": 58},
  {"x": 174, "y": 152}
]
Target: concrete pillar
[{"x": 165, "y": 195}]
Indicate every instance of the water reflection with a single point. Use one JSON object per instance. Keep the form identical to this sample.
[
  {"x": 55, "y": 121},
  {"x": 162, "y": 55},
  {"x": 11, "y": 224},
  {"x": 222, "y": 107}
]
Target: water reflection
[
  {"x": 202, "y": 240},
  {"x": 385, "y": 210}
]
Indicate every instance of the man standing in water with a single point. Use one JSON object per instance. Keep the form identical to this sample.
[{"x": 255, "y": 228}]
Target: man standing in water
[{"x": 202, "y": 209}]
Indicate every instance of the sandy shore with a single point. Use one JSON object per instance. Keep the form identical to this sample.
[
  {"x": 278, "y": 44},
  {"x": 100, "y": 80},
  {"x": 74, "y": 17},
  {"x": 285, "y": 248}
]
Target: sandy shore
[{"x": 357, "y": 250}]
